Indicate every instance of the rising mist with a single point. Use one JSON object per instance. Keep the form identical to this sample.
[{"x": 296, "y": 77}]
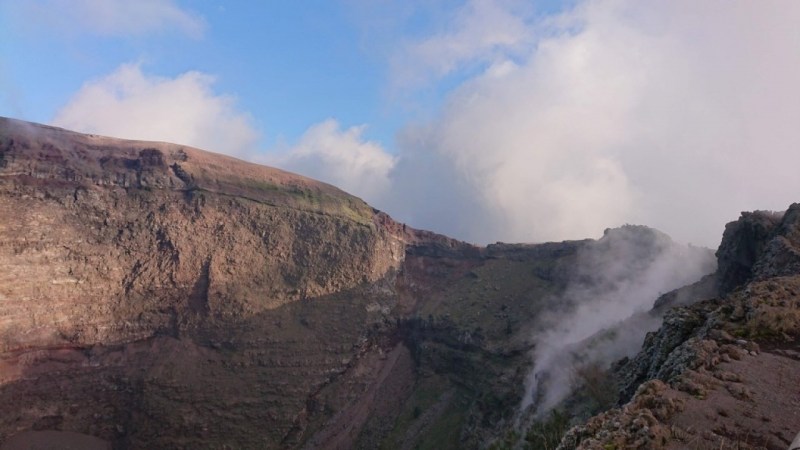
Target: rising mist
[{"x": 617, "y": 279}]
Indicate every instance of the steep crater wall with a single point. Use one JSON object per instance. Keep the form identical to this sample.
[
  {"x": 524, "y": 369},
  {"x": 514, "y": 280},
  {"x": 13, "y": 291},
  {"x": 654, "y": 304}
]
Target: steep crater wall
[{"x": 106, "y": 240}]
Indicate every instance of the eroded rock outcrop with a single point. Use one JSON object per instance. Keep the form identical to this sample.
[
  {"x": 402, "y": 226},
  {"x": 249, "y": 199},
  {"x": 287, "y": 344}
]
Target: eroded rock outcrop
[
  {"x": 716, "y": 374},
  {"x": 760, "y": 245}
]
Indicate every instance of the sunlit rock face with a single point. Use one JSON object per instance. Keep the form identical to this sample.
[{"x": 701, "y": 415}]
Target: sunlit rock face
[
  {"x": 157, "y": 295},
  {"x": 106, "y": 240}
]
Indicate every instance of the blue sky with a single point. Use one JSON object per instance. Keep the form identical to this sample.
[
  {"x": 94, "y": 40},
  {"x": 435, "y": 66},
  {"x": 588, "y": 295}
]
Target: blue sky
[
  {"x": 487, "y": 120},
  {"x": 288, "y": 66}
]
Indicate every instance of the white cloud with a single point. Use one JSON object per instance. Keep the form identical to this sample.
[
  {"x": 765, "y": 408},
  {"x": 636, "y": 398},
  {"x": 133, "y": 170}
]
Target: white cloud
[
  {"x": 339, "y": 157},
  {"x": 110, "y": 17},
  {"x": 677, "y": 115},
  {"x": 481, "y": 31},
  {"x": 130, "y": 104}
]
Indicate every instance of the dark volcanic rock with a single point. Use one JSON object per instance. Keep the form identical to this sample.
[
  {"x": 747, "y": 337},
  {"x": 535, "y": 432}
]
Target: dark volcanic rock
[
  {"x": 743, "y": 243},
  {"x": 781, "y": 255},
  {"x": 704, "y": 289}
]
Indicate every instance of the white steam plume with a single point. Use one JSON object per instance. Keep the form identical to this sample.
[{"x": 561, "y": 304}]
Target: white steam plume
[{"x": 616, "y": 277}]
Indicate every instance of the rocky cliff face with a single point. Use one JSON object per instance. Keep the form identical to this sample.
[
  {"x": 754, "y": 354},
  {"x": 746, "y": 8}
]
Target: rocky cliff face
[
  {"x": 158, "y": 296},
  {"x": 111, "y": 241},
  {"x": 717, "y": 373},
  {"x": 758, "y": 246}
]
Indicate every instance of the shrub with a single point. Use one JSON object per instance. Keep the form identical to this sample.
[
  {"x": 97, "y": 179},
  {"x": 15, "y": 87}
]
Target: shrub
[{"x": 547, "y": 434}]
